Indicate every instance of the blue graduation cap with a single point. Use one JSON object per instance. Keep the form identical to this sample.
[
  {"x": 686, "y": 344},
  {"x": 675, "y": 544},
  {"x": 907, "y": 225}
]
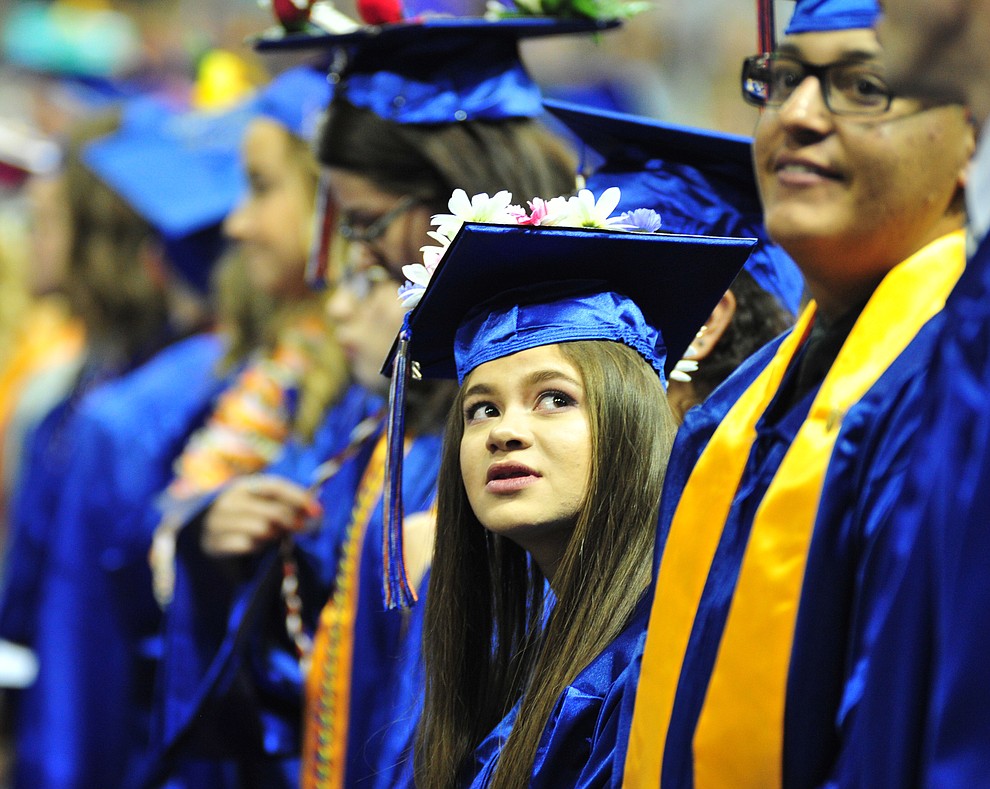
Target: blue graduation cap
[
  {"x": 672, "y": 281},
  {"x": 296, "y": 99},
  {"x": 435, "y": 69},
  {"x": 542, "y": 286},
  {"x": 701, "y": 182},
  {"x": 181, "y": 171},
  {"x": 819, "y": 16}
]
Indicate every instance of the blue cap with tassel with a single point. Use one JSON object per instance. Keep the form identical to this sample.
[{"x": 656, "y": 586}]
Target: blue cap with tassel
[{"x": 561, "y": 271}]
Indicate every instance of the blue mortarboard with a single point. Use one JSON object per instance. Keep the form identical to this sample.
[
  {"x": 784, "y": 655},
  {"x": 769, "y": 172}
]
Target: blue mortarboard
[
  {"x": 700, "y": 182},
  {"x": 296, "y": 98},
  {"x": 819, "y": 16},
  {"x": 673, "y": 281},
  {"x": 181, "y": 171},
  {"x": 436, "y": 69},
  {"x": 501, "y": 289}
]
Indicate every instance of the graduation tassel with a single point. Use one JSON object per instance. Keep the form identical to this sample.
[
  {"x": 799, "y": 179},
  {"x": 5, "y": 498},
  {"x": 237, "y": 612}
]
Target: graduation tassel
[
  {"x": 397, "y": 591},
  {"x": 319, "y": 251},
  {"x": 766, "y": 26}
]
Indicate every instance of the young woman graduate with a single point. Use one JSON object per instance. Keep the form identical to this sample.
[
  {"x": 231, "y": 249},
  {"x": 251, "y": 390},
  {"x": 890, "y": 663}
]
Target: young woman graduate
[
  {"x": 554, "y": 456},
  {"x": 387, "y": 172},
  {"x": 774, "y": 554}
]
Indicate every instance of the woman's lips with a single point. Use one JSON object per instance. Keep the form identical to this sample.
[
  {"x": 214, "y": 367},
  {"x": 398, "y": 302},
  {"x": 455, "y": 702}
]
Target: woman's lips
[{"x": 509, "y": 477}]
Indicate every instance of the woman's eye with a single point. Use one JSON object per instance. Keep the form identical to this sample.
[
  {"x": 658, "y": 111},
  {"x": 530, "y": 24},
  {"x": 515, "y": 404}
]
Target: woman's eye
[
  {"x": 478, "y": 411},
  {"x": 553, "y": 401},
  {"x": 259, "y": 180}
]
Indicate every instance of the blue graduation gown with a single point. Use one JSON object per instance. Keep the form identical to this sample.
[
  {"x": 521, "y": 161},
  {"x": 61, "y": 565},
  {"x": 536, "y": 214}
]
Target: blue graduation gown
[
  {"x": 92, "y": 615},
  {"x": 580, "y": 744},
  {"x": 925, "y": 715},
  {"x": 846, "y": 581},
  {"x": 231, "y": 687}
]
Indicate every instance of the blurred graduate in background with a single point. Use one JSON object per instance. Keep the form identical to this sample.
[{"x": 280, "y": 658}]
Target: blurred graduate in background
[{"x": 143, "y": 243}]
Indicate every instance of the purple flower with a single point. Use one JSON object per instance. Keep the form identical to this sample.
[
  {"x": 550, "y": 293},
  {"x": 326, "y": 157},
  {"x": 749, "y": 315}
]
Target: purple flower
[
  {"x": 642, "y": 220},
  {"x": 410, "y": 293}
]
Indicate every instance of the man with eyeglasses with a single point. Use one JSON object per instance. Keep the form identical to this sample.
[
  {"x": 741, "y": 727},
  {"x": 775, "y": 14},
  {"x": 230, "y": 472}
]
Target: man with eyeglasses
[
  {"x": 772, "y": 563},
  {"x": 927, "y": 688}
]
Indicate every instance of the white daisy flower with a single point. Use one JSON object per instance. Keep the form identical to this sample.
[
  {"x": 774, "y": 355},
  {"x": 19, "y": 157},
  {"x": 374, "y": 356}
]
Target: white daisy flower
[
  {"x": 584, "y": 211},
  {"x": 432, "y": 254},
  {"x": 480, "y": 208},
  {"x": 682, "y": 370}
]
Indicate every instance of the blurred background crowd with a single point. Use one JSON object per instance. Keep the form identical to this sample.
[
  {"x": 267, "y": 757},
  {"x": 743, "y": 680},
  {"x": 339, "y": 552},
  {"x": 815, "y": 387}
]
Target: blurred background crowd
[{"x": 64, "y": 63}]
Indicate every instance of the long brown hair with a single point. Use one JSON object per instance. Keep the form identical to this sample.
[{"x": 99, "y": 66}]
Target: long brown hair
[
  {"x": 123, "y": 308},
  {"x": 429, "y": 161},
  {"x": 485, "y": 643}
]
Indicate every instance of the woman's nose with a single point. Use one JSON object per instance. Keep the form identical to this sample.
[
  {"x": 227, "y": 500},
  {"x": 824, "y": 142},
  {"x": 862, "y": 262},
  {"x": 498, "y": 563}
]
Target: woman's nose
[
  {"x": 509, "y": 432},
  {"x": 235, "y": 224}
]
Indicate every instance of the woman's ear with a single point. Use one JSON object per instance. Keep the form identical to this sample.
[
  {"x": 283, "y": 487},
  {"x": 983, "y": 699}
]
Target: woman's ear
[
  {"x": 152, "y": 260},
  {"x": 709, "y": 335}
]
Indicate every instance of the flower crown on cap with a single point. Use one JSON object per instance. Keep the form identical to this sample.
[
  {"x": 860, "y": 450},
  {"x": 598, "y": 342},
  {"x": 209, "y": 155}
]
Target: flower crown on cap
[
  {"x": 295, "y": 15},
  {"x": 588, "y": 9},
  {"x": 580, "y": 210}
]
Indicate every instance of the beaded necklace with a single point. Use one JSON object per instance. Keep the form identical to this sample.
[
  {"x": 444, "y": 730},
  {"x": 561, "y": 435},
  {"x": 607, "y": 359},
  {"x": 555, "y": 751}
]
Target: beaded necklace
[
  {"x": 364, "y": 430},
  {"x": 328, "y": 684}
]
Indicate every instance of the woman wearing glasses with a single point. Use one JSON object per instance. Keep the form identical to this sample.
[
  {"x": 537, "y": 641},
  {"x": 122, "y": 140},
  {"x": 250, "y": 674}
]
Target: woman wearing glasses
[
  {"x": 775, "y": 551},
  {"x": 384, "y": 177}
]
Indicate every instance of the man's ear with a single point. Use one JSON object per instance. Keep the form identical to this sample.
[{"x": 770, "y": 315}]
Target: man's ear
[
  {"x": 970, "y": 148},
  {"x": 714, "y": 328}
]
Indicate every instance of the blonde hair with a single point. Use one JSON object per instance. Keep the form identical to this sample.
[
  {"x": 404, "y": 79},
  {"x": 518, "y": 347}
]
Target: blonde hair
[{"x": 15, "y": 298}]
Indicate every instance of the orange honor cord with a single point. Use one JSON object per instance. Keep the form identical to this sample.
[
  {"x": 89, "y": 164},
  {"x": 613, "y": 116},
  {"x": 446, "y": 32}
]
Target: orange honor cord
[{"x": 329, "y": 680}]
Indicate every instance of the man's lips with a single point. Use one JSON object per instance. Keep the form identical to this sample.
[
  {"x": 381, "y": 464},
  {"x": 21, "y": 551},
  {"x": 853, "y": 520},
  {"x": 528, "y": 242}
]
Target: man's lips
[{"x": 799, "y": 170}]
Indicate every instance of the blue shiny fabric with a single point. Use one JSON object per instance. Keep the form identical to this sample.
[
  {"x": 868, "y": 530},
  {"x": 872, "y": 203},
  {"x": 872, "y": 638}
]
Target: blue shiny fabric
[
  {"x": 496, "y": 330},
  {"x": 387, "y": 676},
  {"x": 204, "y": 712},
  {"x": 578, "y": 747},
  {"x": 821, "y": 16},
  {"x": 85, "y": 721},
  {"x": 492, "y": 89},
  {"x": 847, "y": 583},
  {"x": 925, "y": 715},
  {"x": 231, "y": 689}
]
